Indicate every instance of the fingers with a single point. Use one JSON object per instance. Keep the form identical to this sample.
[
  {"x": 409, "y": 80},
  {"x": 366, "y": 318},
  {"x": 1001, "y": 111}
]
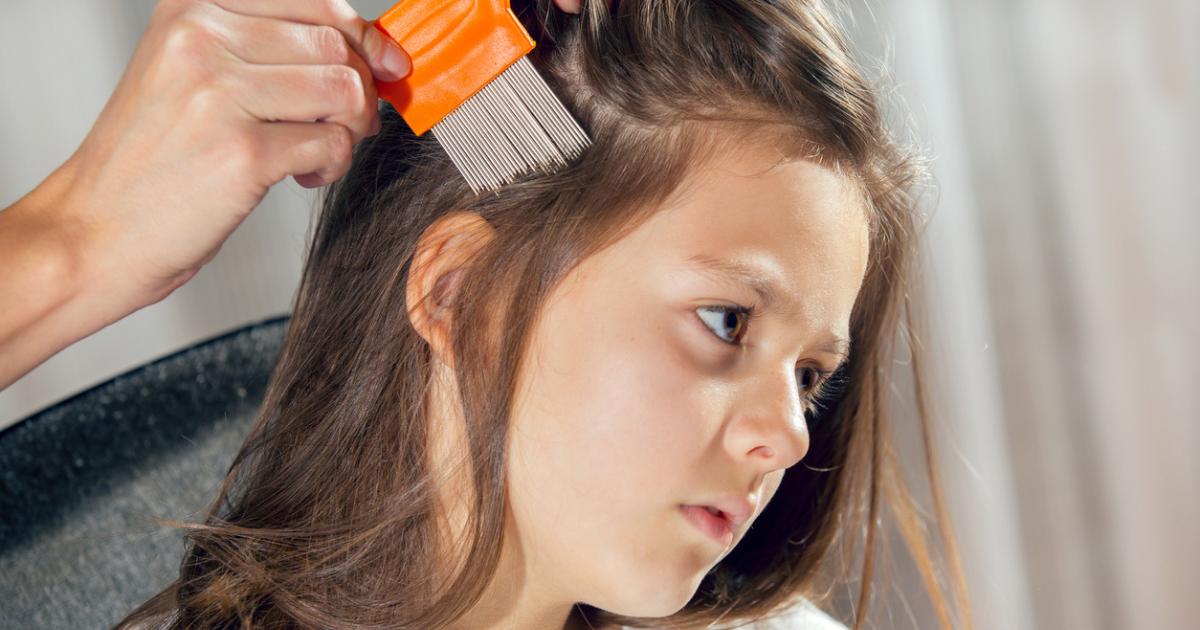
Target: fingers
[
  {"x": 273, "y": 70},
  {"x": 385, "y": 58},
  {"x": 388, "y": 61},
  {"x": 332, "y": 93},
  {"x": 315, "y": 153},
  {"x": 288, "y": 93},
  {"x": 269, "y": 41}
]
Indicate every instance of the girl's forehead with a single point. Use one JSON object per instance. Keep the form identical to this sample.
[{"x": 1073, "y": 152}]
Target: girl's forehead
[
  {"x": 766, "y": 165},
  {"x": 753, "y": 196}
]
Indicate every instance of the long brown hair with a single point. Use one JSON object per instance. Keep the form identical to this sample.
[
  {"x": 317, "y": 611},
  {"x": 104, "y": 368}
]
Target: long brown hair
[{"x": 329, "y": 515}]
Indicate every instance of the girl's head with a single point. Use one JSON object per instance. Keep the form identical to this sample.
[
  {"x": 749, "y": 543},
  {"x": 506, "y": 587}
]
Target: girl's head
[
  {"x": 552, "y": 387},
  {"x": 668, "y": 376}
]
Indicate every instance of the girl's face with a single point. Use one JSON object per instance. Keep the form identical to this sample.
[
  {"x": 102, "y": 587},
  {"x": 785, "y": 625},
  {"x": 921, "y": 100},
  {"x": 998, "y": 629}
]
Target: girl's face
[{"x": 668, "y": 379}]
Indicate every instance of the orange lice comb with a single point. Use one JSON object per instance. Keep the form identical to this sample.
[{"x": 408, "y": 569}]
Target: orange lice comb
[{"x": 472, "y": 85}]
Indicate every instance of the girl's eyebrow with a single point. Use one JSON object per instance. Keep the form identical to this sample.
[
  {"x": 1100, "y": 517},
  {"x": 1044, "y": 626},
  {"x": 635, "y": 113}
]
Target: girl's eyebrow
[
  {"x": 757, "y": 277},
  {"x": 771, "y": 298}
]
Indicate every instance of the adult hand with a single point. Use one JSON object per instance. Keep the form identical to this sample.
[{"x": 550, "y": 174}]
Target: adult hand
[{"x": 222, "y": 99}]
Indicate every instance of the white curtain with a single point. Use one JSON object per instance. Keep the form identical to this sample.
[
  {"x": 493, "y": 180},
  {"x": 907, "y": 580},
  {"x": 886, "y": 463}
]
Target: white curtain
[
  {"x": 1066, "y": 291},
  {"x": 1064, "y": 279}
]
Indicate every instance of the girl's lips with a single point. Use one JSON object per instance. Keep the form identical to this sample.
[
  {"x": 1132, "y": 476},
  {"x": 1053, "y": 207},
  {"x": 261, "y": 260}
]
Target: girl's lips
[{"x": 715, "y": 527}]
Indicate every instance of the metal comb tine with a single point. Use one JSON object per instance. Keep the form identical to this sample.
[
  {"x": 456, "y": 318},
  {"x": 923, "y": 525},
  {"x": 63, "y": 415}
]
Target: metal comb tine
[
  {"x": 479, "y": 133},
  {"x": 499, "y": 112},
  {"x": 556, "y": 115},
  {"x": 545, "y": 153},
  {"x": 460, "y": 153},
  {"x": 484, "y": 141},
  {"x": 495, "y": 126},
  {"x": 466, "y": 163},
  {"x": 528, "y": 87},
  {"x": 459, "y": 125},
  {"x": 507, "y": 121},
  {"x": 456, "y": 157},
  {"x": 513, "y": 126}
]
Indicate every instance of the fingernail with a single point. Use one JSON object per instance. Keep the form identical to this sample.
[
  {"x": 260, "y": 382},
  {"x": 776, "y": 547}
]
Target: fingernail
[
  {"x": 376, "y": 125},
  {"x": 395, "y": 60}
]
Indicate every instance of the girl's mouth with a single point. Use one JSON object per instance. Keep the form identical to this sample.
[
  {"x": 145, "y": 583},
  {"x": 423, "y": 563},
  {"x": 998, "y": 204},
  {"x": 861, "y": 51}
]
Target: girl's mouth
[{"x": 711, "y": 522}]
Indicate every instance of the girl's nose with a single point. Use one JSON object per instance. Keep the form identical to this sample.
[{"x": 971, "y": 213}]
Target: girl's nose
[{"x": 768, "y": 431}]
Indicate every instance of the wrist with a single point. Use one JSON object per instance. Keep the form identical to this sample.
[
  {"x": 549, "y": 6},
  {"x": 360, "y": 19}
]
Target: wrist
[
  {"x": 58, "y": 261},
  {"x": 79, "y": 250},
  {"x": 40, "y": 249},
  {"x": 48, "y": 289}
]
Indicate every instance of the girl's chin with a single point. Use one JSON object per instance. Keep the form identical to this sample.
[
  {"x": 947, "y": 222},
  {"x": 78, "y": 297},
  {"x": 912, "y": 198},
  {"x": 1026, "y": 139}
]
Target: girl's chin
[{"x": 652, "y": 602}]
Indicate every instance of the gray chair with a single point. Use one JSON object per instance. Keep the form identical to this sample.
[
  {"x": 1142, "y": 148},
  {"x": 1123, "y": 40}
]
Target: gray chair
[{"x": 83, "y": 482}]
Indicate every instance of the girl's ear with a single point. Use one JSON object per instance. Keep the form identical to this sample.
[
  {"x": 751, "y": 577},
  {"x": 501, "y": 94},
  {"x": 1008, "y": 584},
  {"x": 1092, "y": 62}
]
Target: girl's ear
[{"x": 444, "y": 253}]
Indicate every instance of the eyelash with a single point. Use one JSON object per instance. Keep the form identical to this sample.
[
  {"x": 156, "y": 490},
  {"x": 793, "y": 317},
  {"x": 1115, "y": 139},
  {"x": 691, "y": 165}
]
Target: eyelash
[{"x": 819, "y": 379}]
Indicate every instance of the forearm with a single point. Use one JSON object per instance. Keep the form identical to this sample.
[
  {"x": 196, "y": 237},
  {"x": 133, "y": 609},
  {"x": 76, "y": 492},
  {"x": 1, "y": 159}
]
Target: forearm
[{"x": 47, "y": 301}]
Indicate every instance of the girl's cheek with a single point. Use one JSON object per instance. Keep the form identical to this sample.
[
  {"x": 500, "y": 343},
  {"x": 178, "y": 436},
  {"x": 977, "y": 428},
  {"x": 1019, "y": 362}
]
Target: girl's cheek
[{"x": 691, "y": 384}]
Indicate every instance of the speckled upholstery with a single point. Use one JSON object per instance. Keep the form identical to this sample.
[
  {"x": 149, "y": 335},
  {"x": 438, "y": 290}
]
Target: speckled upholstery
[{"x": 82, "y": 482}]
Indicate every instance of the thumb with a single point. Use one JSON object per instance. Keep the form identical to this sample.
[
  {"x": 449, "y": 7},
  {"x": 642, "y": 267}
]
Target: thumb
[{"x": 387, "y": 60}]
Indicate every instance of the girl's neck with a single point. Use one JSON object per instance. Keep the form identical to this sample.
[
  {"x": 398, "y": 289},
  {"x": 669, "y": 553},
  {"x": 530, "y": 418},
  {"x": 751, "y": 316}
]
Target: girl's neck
[
  {"x": 520, "y": 598},
  {"x": 516, "y": 605}
]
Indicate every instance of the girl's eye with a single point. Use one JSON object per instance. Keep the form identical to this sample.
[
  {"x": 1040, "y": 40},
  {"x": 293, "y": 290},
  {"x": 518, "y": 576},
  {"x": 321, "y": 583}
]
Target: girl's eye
[
  {"x": 726, "y": 322},
  {"x": 818, "y": 387},
  {"x": 808, "y": 379}
]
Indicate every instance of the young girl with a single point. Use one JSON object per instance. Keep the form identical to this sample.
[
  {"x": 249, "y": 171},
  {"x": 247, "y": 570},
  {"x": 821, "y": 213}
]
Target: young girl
[{"x": 572, "y": 402}]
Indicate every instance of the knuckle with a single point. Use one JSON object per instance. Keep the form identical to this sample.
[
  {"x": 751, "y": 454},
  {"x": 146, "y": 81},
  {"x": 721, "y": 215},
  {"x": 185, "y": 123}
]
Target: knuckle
[
  {"x": 245, "y": 153},
  {"x": 346, "y": 88},
  {"x": 371, "y": 40},
  {"x": 207, "y": 101},
  {"x": 340, "y": 145},
  {"x": 330, "y": 44},
  {"x": 238, "y": 153},
  {"x": 190, "y": 37}
]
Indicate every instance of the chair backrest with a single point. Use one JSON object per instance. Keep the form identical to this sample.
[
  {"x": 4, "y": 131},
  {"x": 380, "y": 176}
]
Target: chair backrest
[{"x": 83, "y": 482}]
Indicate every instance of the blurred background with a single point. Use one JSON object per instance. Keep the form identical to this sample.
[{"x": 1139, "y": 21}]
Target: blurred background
[{"x": 1064, "y": 278}]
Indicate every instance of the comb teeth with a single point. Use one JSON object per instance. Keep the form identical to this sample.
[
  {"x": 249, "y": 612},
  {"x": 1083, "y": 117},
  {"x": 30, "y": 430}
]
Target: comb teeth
[{"x": 513, "y": 126}]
